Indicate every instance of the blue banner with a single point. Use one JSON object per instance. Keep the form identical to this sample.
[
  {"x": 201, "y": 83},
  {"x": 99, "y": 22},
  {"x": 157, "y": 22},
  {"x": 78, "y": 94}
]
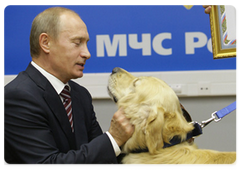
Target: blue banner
[{"x": 136, "y": 38}]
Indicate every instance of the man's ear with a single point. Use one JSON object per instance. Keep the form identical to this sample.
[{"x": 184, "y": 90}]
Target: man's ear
[{"x": 44, "y": 42}]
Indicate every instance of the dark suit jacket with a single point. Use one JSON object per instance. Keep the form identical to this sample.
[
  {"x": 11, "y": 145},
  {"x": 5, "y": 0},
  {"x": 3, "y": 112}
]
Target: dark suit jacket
[{"x": 37, "y": 129}]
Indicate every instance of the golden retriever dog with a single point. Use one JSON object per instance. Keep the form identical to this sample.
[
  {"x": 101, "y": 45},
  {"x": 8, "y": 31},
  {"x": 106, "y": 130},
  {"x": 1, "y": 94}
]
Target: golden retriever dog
[{"x": 154, "y": 109}]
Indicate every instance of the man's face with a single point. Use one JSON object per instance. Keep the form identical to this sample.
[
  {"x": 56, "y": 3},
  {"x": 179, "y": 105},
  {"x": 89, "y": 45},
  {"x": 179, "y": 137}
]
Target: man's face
[{"x": 68, "y": 54}]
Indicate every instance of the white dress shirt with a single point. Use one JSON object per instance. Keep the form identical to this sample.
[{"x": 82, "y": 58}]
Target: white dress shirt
[{"x": 59, "y": 86}]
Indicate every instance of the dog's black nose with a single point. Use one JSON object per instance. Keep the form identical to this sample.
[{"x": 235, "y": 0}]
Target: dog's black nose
[{"x": 115, "y": 70}]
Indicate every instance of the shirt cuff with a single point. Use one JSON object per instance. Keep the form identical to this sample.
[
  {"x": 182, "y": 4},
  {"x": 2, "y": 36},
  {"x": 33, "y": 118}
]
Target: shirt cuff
[{"x": 114, "y": 144}]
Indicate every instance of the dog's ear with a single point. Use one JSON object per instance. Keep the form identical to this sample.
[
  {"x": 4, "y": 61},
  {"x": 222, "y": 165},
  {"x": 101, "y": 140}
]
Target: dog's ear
[
  {"x": 175, "y": 125},
  {"x": 153, "y": 130}
]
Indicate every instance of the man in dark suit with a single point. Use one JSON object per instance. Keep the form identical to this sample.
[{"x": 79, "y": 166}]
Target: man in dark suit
[{"x": 38, "y": 128}]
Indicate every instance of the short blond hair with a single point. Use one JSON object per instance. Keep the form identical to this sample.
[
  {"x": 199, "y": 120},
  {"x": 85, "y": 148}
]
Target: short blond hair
[{"x": 46, "y": 22}]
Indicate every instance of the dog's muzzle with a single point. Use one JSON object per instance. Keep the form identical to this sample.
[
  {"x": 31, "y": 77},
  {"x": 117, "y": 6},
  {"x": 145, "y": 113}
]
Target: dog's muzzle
[
  {"x": 111, "y": 95},
  {"x": 114, "y": 71}
]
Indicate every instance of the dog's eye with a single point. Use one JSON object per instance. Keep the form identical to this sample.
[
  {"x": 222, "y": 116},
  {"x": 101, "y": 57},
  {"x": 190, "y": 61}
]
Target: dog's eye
[{"x": 135, "y": 82}]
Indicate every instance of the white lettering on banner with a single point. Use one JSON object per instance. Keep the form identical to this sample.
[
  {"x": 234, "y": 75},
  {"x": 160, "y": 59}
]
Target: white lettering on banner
[
  {"x": 119, "y": 42},
  {"x": 190, "y": 44},
  {"x": 145, "y": 45},
  {"x": 157, "y": 44}
]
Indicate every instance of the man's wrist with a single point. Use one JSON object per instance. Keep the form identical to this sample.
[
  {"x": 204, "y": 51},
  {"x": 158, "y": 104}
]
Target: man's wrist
[{"x": 116, "y": 148}]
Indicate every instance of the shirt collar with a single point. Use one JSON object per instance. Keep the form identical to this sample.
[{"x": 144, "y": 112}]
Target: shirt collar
[{"x": 57, "y": 84}]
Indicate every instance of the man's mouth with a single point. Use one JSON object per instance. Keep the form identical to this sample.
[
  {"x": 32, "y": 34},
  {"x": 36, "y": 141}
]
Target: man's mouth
[{"x": 81, "y": 65}]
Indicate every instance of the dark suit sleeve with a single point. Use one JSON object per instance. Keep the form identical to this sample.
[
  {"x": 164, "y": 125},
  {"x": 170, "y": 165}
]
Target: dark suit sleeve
[{"x": 28, "y": 138}]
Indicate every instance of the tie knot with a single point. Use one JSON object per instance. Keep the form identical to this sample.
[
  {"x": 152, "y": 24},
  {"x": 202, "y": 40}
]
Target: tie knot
[{"x": 65, "y": 93}]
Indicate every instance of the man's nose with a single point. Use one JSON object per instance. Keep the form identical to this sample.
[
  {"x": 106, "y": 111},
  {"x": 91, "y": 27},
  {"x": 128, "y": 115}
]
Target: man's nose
[{"x": 85, "y": 53}]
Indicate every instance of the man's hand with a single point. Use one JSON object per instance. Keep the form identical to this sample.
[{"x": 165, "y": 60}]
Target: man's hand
[
  {"x": 121, "y": 129},
  {"x": 207, "y": 8}
]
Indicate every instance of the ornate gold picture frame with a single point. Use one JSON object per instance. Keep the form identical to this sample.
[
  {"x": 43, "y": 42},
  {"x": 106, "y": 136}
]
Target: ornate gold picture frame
[{"x": 223, "y": 31}]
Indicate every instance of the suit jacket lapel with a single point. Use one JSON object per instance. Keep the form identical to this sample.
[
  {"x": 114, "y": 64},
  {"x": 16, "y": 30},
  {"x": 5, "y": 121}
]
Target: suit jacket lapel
[
  {"x": 54, "y": 102},
  {"x": 56, "y": 105},
  {"x": 79, "y": 121}
]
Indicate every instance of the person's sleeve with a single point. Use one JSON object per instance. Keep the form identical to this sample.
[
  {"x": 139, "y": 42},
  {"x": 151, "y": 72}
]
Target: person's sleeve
[{"x": 114, "y": 144}]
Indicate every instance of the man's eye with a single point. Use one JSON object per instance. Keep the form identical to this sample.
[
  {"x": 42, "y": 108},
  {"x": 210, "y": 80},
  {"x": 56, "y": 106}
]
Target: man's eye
[{"x": 76, "y": 41}]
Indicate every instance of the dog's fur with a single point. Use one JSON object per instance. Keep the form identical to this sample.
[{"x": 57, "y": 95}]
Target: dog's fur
[{"x": 154, "y": 109}]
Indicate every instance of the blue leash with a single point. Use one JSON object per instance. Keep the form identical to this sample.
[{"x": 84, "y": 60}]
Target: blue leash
[
  {"x": 225, "y": 111},
  {"x": 218, "y": 115}
]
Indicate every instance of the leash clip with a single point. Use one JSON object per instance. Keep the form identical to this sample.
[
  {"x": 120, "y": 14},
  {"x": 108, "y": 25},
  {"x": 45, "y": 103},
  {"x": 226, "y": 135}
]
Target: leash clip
[{"x": 213, "y": 118}]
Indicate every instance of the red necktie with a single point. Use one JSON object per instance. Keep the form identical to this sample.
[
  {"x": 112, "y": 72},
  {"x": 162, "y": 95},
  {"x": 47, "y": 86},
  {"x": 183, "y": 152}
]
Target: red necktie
[{"x": 67, "y": 104}]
